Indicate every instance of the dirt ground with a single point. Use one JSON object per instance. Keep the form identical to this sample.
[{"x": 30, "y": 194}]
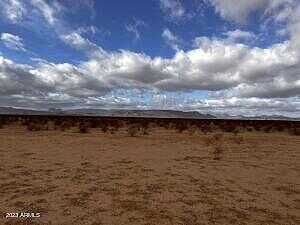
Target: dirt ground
[{"x": 162, "y": 178}]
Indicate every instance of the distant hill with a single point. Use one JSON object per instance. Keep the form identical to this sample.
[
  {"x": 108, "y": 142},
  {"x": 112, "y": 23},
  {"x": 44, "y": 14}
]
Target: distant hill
[
  {"x": 140, "y": 113},
  {"x": 135, "y": 113},
  {"x": 19, "y": 111},
  {"x": 106, "y": 112}
]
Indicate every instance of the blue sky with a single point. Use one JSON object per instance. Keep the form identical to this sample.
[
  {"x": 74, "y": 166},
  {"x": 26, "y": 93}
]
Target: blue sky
[{"x": 207, "y": 55}]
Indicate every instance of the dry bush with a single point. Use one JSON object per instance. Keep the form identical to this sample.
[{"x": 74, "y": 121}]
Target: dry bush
[
  {"x": 145, "y": 130},
  {"x": 65, "y": 126},
  {"x": 280, "y": 128},
  {"x": 95, "y": 123},
  {"x": 35, "y": 127},
  {"x": 257, "y": 127},
  {"x": 218, "y": 137},
  {"x": 249, "y": 129},
  {"x": 267, "y": 129},
  {"x": 238, "y": 139},
  {"x": 229, "y": 128},
  {"x": 295, "y": 131},
  {"x": 104, "y": 128},
  {"x": 181, "y": 127},
  {"x": 83, "y": 128},
  {"x": 206, "y": 129},
  {"x": 236, "y": 131},
  {"x": 133, "y": 130},
  {"x": 113, "y": 130},
  {"x": 192, "y": 130},
  {"x": 218, "y": 152},
  {"x": 208, "y": 141}
]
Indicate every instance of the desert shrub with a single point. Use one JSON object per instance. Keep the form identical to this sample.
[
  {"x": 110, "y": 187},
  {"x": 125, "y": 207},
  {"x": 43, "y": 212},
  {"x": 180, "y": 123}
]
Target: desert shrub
[
  {"x": 280, "y": 128},
  {"x": 193, "y": 129},
  {"x": 295, "y": 131},
  {"x": 133, "y": 130},
  {"x": 229, "y": 128},
  {"x": 95, "y": 123},
  {"x": 104, "y": 128},
  {"x": 238, "y": 140},
  {"x": 205, "y": 129},
  {"x": 25, "y": 122},
  {"x": 180, "y": 127},
  {"x": 218, "y": 137},
  {"x": 57, "y": 123},
  {"x": 83, "y": 128},
  {"x": 267, "y": 129},
  {"x": 208, "y": 141},
  {"x": 35, "y": 127},
  {"x": 218, "y": 152},
  {"x": 113, "y": 130},
  {"x": 249, "y": 129},
  {"x": 145, "y": 128},
  {"x": 65, "y": 126},
  {"x": 236, "y": 131},
  {"x": 257, "y": 128}
]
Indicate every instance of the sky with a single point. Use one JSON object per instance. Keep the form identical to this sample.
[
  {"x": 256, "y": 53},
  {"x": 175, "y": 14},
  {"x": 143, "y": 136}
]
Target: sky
[{"x": 235, "y": 57}]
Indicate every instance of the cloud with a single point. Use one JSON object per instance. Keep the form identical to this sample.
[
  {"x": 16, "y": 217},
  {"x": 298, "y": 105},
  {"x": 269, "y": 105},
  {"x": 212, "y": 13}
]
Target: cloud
[
  {"x": 239, "y": 11},
  {"x": 47, "y": 11},
  {"x": 12, "y": 10},
  {"x": 232, "y": 69},
  {"x": 16, "y": 78},
  {"x": 171, "y": 39},
  {"x": 12, "y": 41},
  {"x": 239, "y": 35},
  {"x": 134, "y": 28},
  {"x": 172, "y": 9},
  {"x": 77, "y": 41},
  {"x": 215, "y": 65}
]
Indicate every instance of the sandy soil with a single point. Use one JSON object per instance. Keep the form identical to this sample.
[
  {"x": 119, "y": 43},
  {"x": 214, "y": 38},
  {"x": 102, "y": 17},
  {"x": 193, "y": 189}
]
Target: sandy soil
[{"x": 162, "y": 178}]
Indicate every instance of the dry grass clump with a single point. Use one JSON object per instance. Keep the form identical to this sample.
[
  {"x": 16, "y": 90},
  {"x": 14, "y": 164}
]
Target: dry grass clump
[
  {"x": 208, "y": 141},
  {"x": 229, "y": 128},
  {"x": 238, "y": 139},
  {"x": 65, "y": 126},
  {"x": 218, "y": 137},
  {"x": 180, "y": 127},
  {"x": 218, "y": 152},
  {"x": 104, "y": 128},
  {"x": 192, "y": 130},
  {"x": 236, "y": 131},
  {"x": 145, "y": 130},
  {"x": 280, "y": 128},
  {"x": 133, "y": 130},
  {"x": 295, "y": 131},
  {"x": 206, "y": 129},
  {"x": 35, "y": 127},
  {"x": 95, "y": 124},
  {"x": 267, "y": 129},
  {"x": 113, "y": 130},
  {"x": 83, "y": 128}
]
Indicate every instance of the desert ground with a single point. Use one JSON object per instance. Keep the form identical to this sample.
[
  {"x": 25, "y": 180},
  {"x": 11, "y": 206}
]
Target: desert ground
[{"x": 160, "y": 177}]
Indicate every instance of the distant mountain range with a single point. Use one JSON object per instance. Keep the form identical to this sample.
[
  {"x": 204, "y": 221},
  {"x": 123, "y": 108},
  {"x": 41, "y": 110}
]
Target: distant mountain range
[{"x": 133, "y": 113}]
